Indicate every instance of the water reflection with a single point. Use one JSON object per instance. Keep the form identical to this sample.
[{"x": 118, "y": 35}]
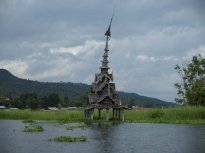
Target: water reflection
[{"x": 103, "y": 136}]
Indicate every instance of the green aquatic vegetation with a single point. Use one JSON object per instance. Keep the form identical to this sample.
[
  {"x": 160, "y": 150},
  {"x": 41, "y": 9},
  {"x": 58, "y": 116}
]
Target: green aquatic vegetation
[
  {"x": 33, "y": 127},
  {"x": 82, "y": 127},
  {"x": 69, "y": 139},
  {"x": 28, "y": 121},
  {"x": 70, "y": 128},
  {"x": 105, "y": 125}
]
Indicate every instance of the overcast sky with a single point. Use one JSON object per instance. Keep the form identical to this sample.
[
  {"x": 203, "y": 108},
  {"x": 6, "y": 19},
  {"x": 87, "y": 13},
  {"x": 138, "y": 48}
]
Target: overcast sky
[{"x": 52, "y": 40}]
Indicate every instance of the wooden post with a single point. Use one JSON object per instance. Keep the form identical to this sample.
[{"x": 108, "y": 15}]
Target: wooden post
[
  {"x": 107, "y": 115},
  {"x": 91, "y": 114},
  {"x": 119, "y": 113},
  {"x": 113, "y": 113},
  {"x": 86, "y": 114},
  {"x": 116, "y": 112},
  {"x": 99, "y": 113},
  {"x": 123, "y": 117}
]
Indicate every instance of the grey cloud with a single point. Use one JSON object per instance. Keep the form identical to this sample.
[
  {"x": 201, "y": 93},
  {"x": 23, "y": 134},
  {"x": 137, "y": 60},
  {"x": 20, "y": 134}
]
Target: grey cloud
[{"x": 148, "y": 39}]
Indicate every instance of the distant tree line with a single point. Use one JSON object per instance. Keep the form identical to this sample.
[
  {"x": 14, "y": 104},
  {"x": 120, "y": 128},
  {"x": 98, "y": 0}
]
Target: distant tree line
[{"x": 33, "y": 101}]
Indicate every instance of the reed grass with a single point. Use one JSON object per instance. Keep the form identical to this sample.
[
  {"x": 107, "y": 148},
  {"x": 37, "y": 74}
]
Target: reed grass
[
  {"x": 179, "y": 115},
  {"x": 63, "y": 116}
]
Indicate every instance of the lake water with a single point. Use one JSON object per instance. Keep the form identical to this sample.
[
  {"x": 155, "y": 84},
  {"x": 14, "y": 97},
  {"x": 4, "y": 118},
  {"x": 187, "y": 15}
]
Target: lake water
[{"x": 120, "y": 138}]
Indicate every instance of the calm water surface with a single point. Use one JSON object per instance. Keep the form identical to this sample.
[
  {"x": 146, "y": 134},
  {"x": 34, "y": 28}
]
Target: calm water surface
[{"x": 121, "y": 138}]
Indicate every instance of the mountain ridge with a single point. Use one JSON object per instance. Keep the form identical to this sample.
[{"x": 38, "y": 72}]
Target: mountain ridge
[{"x": 12, "y": 86}]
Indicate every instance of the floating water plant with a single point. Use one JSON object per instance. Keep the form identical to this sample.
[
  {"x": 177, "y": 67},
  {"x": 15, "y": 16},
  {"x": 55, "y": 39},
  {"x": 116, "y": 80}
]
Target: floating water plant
[
  {"x": 28, "y": 121},
  {"x": 69, "y": 139},
  {"x": 105, "y": 125},
  {"x": 33, "y": 127},
  {"x": 82, "y": 127}
]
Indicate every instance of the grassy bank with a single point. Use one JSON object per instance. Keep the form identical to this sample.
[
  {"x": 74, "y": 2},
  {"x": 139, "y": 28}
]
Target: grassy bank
[
  {"x": 179, "y": 115},
  {"x": 64, "y": 116}
]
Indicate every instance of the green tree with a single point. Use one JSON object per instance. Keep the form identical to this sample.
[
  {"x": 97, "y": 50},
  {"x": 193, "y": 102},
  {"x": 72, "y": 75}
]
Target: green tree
[
  {"x": 53, "y": 100},
  {"x": 16, "y": 102},
  {"x": 43, "y": 102},
  {"x": 65, "y": 102},
  {"x": 32, "y": 102},
  {"x": 29, "y": 100},
  {"x": 191, "y": 89}
]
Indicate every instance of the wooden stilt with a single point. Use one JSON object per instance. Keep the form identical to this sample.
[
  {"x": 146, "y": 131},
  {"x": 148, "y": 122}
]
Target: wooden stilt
[
  {"x": 99, "y": 113},
  {"x": 107, "y": 115},
  {"x": 113, "y": 113},
  {"x": 116, "y": 113},
  {"x": 91, "y": 114},
  {"x": 86, "y": 114},
  {"x": 123, "y": 117},
  {"x": 119, "y": 113}
]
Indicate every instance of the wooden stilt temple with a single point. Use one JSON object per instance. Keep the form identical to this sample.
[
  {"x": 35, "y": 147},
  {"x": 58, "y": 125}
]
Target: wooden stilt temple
[{"x": 103, "y": 94}]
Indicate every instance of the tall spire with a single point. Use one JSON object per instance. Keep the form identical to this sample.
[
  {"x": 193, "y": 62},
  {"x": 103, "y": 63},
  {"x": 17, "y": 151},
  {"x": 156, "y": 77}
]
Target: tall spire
[
  {"x": 103, "y": 93},
  {"x": 104, "y": 67},
  {"x": 108, "y": 32}
]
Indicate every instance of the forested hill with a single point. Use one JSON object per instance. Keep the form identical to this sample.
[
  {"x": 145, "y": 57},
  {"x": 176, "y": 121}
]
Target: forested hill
[{"x": 12, "y": 86}]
